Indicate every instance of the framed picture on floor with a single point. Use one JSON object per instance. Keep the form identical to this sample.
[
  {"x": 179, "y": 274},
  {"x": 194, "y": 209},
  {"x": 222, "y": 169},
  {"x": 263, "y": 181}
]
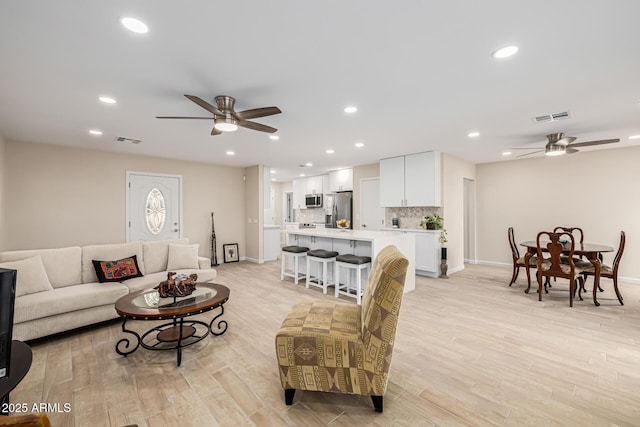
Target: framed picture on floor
[{"x": 230, "y": 252}]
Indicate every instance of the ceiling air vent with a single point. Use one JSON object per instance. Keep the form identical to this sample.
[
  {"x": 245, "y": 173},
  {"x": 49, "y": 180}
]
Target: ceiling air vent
[
  {"x": 131, "y": 140},
  {"x": 552, "y": 117}
]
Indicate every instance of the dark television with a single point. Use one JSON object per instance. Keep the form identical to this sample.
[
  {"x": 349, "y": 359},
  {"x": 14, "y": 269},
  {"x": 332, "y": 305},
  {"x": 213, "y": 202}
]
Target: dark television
[{"x": 7, "y": 301}]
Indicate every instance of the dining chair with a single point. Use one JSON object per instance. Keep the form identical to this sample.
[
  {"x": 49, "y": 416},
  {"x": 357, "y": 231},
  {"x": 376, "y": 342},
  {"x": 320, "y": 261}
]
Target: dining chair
[
  {"x": 518, "y": 261},
  {"x": 555, "y": 265},
  {"x": 575, "y": 232},
  {"x": 608, "y": 271}
]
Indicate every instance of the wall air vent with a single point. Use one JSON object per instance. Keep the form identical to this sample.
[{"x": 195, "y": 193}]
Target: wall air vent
[
  {"x": 131, "y": 140},
  {"x": 552, "y": 117}
]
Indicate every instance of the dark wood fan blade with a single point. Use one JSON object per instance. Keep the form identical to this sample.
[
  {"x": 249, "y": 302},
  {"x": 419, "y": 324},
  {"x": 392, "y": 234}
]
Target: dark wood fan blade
[
  {"x": 571, "y": 150},
  {"x": 589, "y": 143},
  {"x": 528, "y": 154},
  {"x": 204, "y": 104},
  {"x": 215, "y": 131},
  {"x": 168, "y": 117},
  {"x": 531, "y": 148},
  {"x": 257, "y": 112},
  {"x": 256, "y": 126}
]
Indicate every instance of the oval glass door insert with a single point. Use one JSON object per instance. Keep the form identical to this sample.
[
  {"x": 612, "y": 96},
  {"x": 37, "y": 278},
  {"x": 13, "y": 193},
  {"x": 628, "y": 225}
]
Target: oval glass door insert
[{"x": 155, "y": 211}]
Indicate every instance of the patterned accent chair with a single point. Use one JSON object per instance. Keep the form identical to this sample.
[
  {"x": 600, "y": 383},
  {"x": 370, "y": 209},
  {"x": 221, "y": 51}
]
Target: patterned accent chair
[{"x": 341, "y": 347}]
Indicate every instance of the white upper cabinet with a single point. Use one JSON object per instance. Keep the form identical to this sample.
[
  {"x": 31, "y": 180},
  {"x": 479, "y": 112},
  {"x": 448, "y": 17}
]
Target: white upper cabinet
[
  {"x": 392, "y": 182},
  {"x": 412, "y": 180},
  {"x": 299, "y": 191},
  {"x": 314, "y": 184},
  {"x": 341, "y": 180}
]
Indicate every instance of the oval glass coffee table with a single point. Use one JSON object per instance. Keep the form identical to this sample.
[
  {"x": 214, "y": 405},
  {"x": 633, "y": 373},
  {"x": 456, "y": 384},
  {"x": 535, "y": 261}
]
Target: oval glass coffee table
[{"x": 178, "y": 333}]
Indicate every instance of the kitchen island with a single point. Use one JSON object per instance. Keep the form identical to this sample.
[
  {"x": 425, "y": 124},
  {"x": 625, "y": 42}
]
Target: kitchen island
[{"x": 357, "y": 242}]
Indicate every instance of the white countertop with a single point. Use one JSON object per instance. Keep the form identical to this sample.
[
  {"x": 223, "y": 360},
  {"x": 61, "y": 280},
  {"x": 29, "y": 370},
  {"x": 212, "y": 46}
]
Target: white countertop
[
  {"x": 334, "y": 233},
  {"x": 412, "y": 230}
]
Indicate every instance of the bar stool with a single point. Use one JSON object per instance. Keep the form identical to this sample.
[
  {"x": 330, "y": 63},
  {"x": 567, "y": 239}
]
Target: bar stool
[
  {"x": 295, "y": 252},
  {"x": 351, "y": 262},
  {"x": 323, "y": 257}
]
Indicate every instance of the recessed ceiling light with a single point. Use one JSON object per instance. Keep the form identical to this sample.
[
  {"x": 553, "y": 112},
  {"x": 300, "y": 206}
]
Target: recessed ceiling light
[
  {"x": 506, "y": 153},
  {"x": 473, "y": 134},
  {"x": 230, "y": 153},
  {"x": 330, "y": 151},
  {"x": 107, "y": 100},
  {"x": 272, "y": 171},
  {"x": 95, "y": 132},
  {"x": 350, "y": 109},
  {"x": 359, "y": 144},
  {"x": 273, "y": 179},
  {"x": 308, "y": 164},
  {"x": 301, "y": 174},
  {"x": 134, "y": 25},
  {"x": 505, "y": 52},
  {"x": 274, "y": 137},
  {"x": 634, "y": 137}
]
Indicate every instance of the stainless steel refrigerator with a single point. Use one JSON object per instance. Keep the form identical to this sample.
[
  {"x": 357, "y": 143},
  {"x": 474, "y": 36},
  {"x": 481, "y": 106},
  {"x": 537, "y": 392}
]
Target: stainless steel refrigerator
[{"x": 342, "y": 208}]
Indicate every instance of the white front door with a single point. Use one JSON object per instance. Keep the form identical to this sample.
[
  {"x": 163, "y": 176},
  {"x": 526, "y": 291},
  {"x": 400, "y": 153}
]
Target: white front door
[
  {"x": 371, "y": 214},
  {"x": 154, "y": 206}
]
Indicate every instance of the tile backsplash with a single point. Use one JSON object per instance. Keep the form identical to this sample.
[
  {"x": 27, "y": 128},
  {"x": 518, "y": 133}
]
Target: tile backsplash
[
  {"x": 409, "y": 217},
  {"x": 310, "y": 215}
]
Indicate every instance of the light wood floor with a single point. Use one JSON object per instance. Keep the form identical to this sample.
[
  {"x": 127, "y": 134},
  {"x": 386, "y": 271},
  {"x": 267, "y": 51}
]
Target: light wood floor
[{"x": 469, "y": 351}]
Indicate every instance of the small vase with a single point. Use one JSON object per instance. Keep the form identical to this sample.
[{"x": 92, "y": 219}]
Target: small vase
[
  {"x": 431, "y": 226},
  {"x": 443, "y": 263}
]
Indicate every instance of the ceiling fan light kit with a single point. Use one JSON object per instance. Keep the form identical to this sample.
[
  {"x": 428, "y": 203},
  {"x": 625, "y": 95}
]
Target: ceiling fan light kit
[
  {"x": 555, "y": 150},
  {"x": 225, "y": 124}
]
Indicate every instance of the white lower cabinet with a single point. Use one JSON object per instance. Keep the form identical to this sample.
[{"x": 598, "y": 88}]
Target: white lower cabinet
[{"x": 427, "y": 252}]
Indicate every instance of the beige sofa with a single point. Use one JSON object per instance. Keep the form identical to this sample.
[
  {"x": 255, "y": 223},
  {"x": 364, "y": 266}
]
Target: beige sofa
[{"x": 67, "y": 294}]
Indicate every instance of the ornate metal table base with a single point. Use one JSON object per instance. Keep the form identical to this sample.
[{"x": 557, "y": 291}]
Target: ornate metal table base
[{"x": 174, "y": 335}]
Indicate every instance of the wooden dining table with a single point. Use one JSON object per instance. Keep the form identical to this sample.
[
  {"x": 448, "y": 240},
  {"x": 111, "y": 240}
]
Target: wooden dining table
[{"x": 591, "y": 251}]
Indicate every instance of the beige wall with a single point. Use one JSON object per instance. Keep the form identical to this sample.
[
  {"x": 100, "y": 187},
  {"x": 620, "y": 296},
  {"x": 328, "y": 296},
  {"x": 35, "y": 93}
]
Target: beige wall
[
  {"x": 454, "y": 172},
  {"x": 59, "y": 196},
  {"x": 276, "y": 189},
  {"x": 359, "y": 172},
  {"x": 2, "y": 193},
  {"x": 596, "y": 191},
  {"x": 254, "y": 217}
]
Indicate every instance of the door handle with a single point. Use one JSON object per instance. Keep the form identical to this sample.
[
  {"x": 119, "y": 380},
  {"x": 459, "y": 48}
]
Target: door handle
[{"x": 176, "y": 230}]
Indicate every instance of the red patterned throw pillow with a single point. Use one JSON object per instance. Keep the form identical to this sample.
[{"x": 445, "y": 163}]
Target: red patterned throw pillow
[{"x": 117, "y": 271}]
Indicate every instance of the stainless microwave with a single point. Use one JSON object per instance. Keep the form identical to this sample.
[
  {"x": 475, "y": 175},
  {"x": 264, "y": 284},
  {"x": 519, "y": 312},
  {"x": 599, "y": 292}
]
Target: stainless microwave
[{"x": 313, "y": 200}]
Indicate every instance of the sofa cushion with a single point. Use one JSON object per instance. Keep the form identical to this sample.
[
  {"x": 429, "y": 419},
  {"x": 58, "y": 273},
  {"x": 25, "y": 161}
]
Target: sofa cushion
[
  {"x": 152, "y": 280},
  {"x": 117, "y": 271},
  {"x": 108, "y": 252},
  {"x": 67, "y": 299},
  {"x": 156, "y": 254},
  {"x": 30, "y": 277},
  {"x": 182, "y": 256},
  {"x": 62, "y": 265}
]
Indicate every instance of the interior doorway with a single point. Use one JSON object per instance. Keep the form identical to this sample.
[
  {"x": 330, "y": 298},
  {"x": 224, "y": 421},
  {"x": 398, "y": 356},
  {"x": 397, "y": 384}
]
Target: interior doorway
[
  {"x": 469, "y": 222},
  {"x": 289, "y": 215}
]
